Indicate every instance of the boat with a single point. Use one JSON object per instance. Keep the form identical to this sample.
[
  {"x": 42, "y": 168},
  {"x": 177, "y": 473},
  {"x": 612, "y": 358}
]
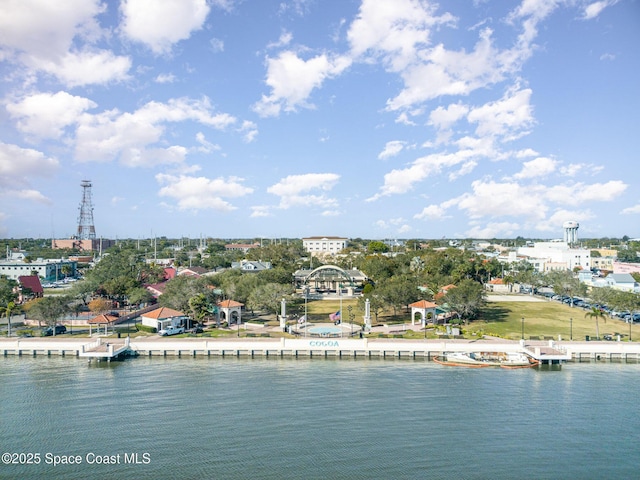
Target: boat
[{"x": 510, "y": 360}]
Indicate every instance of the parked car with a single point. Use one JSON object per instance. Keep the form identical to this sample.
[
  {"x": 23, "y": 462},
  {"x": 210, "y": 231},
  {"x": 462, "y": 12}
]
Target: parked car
[
  {"x": 47, "y": 332},
  {"x": 197, "y": 329},
  {"x": 171, "y": 330}
]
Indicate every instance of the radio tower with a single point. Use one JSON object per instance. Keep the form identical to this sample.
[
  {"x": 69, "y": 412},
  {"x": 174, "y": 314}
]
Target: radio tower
[{"x": 86, "y": 230}]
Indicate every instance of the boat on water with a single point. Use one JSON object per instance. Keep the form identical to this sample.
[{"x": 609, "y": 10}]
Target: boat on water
[{"x": 486, "y": 359}]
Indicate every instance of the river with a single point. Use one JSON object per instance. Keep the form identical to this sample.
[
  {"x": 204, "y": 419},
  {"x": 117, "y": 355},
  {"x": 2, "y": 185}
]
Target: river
[{"x": 288, "y": 418}]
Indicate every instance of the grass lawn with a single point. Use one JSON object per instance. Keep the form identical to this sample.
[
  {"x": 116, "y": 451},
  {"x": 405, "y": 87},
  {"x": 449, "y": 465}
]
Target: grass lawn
[
  {"x": 500, "y": 319},
  {"x": 504, "y": 319}
]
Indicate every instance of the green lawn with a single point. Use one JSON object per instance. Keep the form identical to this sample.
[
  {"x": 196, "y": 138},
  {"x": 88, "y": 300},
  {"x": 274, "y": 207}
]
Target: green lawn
[
  {"x": 501, "y": 319},
  {"x": 504, "y": 319}
]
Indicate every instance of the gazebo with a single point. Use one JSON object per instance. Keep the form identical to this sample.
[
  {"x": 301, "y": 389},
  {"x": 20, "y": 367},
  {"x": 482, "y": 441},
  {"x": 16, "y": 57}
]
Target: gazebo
[
  {"x": 427, "y": 311},
  {"x": 99, "y": 321},
  {"x": 231, "y": 311}
]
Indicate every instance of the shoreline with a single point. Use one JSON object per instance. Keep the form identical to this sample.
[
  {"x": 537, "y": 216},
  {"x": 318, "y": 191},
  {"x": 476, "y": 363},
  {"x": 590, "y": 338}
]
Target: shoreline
[{"x": 548, "y": 352}]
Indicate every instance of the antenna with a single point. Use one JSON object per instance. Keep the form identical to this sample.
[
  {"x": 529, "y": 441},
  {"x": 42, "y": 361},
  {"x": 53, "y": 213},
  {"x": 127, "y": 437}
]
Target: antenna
[{"x": 86, "y": 229}]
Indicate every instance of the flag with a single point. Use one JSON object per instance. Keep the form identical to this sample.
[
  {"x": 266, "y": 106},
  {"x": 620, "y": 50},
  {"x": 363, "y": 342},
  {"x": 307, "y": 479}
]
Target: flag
[
  {"x": 302, "y": 319},
  {"x": 335, "y": 316}
]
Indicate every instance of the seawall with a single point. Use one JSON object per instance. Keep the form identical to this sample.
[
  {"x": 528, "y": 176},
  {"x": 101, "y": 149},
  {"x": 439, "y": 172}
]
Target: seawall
[{"x": 550, "y": 351}]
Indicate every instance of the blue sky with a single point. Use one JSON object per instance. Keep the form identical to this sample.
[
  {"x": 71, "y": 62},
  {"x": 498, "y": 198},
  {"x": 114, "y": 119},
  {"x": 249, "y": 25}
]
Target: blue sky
[{"x": 293, "y": 118}]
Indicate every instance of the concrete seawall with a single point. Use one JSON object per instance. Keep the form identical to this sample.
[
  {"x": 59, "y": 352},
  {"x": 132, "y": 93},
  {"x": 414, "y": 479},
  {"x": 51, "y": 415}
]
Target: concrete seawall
[{"x": 330, "y": 347}]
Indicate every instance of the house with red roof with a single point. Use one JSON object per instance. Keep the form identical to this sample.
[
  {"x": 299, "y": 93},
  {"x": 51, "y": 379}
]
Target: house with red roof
[
  {"x": 29, "y": 287},
  {"x": 163, "y": 317}
]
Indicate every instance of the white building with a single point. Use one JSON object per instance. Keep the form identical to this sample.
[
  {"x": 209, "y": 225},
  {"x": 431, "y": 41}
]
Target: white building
[
  {"x": 547, "y": 256},
  {"x": 321, "y": 245},
  {"x": 48, "y": 270}
]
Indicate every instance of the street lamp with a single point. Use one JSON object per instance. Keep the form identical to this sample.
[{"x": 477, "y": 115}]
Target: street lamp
[
  {"x": 570, "y": 328},
  {"x": 306, "y": 295},
  {"x": 522, "y": 329}
]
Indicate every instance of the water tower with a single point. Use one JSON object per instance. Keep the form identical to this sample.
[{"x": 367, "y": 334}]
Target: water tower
[{"x": 571, "y": 232}]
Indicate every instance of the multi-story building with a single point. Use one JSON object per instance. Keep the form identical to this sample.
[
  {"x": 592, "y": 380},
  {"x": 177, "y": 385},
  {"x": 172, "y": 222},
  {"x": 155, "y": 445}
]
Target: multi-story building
[
  {"x": 557, "y": 256},
  {"x": 47, "y": 270},
  {"x": 324, "y": 245}
]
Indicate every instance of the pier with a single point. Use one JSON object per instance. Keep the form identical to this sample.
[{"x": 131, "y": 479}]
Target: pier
[
  {"x": 546, "y": 352},
  {"x": 103, "y": 349}
]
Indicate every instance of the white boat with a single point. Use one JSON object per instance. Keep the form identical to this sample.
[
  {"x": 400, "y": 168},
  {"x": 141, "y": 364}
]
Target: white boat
[{"x": 486, "y": 359}]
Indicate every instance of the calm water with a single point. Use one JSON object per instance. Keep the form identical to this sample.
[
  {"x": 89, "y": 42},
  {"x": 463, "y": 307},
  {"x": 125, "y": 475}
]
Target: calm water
[{"x": 317, "y": 419}]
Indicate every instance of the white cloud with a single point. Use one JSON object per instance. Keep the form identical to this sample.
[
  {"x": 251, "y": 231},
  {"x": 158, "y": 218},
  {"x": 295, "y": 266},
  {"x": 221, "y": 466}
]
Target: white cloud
[
  {"x": 394, "y": 30},
  {"x": 165, "y": 78},
  {"x": 132, "y": 137},
  {"x": 531, "y": 204},
  {"x": 292, "y": 79},
  {"x": 250, "y": 131},
  {"x": 58, "y": 38},
  {"x": 509, "y": 117},
  {"x": 260, "y": 211},
  {"x": 283, "y": 41},
  {"x": 201, "y": 193},
  {"x": 594, "y": 9},
  {"x": 330, "y": 213},
  {"x": 507, "y": 199},
  {"x": 452, "y": 72},
  {"x": 494, "y": 230},
  {"x": 18, "y": 164},
  {"x": 43, "y": 29},
  {"x": 46, "y": 115},
  {"x": 159, "y": 25},
  {"x": 631, "y": 210},
  {"x": 17, "y": 168},
  {"x": 400, "y": 181},
  {"x": 294, "y": 190},
  {"x": 538, "y": 167},
  {"x": 217, "y": 45},
  {"x": 206, "y": 146},
  {"x": 29, "y": 195},
  {"x": 87, "y": 67},
  {"x": 391, "y": 149},
  {"x": 432, "y": 212},
  {"x": 579, "y": 193},
  {"x": 444, "y": 118}
]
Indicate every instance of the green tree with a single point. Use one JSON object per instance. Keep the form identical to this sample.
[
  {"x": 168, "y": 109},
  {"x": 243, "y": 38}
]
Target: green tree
[
  {"x": 377, "y": 247},
  {"x": 467, "y": 298},
  {"x": 50, "y": 309},
  {"x": 179, "y": 291},
  {"x": 138, "y": 296},
  {"x": 7, "y": 312},
  {"x": 268, "y": 297},
  {"x": 596, "y": 313},
  {"x": 398, "y": 292},
  {"x": 83, "y": 290},
  {"x": 509, "y": 280},
  {"x": 566, "y": 283},
  {"x": 199, "y": 307}
]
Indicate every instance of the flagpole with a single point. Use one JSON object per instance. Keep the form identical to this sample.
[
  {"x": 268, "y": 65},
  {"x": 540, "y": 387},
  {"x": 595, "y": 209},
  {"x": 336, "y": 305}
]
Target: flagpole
[{"x": 340, "y": 286}]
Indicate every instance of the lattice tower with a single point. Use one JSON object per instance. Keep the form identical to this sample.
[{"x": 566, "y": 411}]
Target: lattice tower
[{"x": 86, "y": 229}]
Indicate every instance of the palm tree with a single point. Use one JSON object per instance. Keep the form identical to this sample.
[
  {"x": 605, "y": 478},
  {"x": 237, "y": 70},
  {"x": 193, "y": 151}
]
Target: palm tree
[
  {"x": 596, "y": 313},
  {"x": 7, "y": 310}
]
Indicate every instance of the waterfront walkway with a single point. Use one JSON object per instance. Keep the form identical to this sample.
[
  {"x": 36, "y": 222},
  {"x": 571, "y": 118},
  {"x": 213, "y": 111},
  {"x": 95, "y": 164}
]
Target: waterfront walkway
[{"x": 545, "y": 351}]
